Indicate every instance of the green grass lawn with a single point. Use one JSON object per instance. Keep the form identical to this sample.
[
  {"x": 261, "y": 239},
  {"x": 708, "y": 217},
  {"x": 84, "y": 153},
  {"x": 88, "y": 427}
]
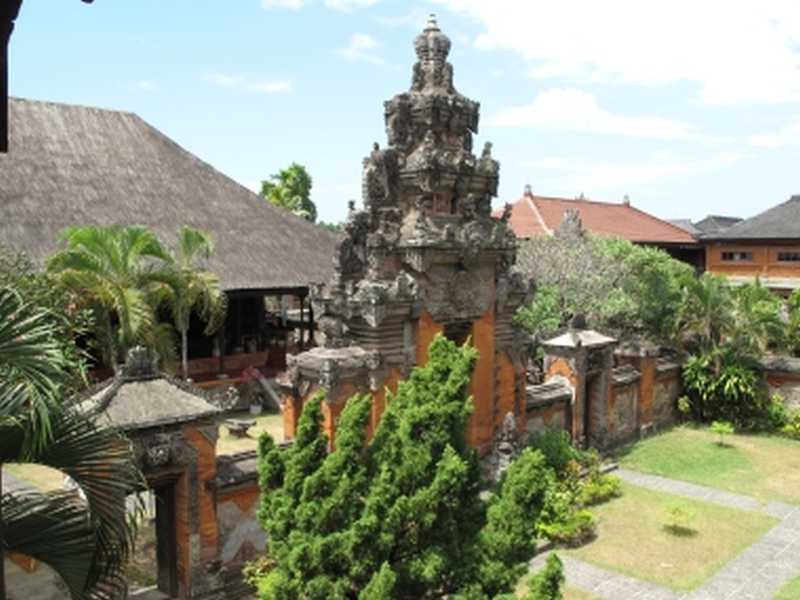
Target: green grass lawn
[
  {"x": 791, "y": 591},
  {"x": 632, "y": 538},
  {"x": 763, "y": 466},
  {"x": 228, "y": 444}
]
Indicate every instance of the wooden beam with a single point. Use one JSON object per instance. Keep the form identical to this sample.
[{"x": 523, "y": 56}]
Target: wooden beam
[{"x": 9, "y": 9}]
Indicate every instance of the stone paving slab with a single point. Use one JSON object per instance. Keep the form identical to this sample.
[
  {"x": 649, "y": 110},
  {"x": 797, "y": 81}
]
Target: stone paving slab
[
  {"x": 606, "y": 584},
  {"x": 701, "y": 492}
]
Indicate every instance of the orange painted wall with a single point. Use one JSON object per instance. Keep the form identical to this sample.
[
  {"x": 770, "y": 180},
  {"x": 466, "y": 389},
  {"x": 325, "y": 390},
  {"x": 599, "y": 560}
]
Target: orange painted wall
[
  {"x": 244, "y": 497},
  {"x": 764, "y": 263},
  {"x": 505, "y": 380},
  {"x": 480, "y": 432},
  {"x": 426, "y": 331},
  {"x": 379, "y": 400},
  {"x": 206, "y": 471}
]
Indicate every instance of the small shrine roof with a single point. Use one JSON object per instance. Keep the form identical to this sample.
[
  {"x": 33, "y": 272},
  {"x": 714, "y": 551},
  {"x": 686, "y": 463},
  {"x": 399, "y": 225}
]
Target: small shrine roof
[
  {"x": 576, "y": 339},
  {"x": 140, "y": 397}
]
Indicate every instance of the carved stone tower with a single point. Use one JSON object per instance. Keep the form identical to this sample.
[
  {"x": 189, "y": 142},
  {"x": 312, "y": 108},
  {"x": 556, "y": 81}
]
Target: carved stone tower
[{"x": 423, "y": 257}]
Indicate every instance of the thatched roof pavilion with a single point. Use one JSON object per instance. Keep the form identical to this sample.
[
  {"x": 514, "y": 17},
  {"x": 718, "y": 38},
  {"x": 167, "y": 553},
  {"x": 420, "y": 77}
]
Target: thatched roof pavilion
[{"x": 76, "y": 165}]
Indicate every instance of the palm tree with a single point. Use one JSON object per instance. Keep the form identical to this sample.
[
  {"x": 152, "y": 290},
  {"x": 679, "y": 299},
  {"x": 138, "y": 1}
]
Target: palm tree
[
  {"x": 757, "y": 317},
  {"x": 192, "y": 288},
  {"x": 707, "y": 310},
  {"x": 86, "y": 541},
  {"x": 120, "y": 273}
]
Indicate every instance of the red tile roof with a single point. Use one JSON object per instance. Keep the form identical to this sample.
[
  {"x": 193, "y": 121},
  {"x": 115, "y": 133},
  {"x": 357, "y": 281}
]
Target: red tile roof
[{"x": 538, "y": 215}]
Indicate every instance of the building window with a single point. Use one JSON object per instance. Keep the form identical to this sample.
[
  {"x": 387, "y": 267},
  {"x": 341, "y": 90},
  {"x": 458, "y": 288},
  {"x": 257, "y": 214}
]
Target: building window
[
  {"x": 789, "y": 256},
  {"x": 737, "y": 256}
]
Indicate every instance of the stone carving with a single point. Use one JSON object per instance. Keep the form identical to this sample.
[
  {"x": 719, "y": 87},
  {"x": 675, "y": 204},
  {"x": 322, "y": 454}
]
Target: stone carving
[
  {"x": 157, "y": 450},
  {"x": 424, "y": 243},
  {"x": 506, "y": 448},
  {"x": 571, "y": 227}
]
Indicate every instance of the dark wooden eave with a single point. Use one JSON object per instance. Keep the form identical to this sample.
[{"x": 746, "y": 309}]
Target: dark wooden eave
[{"x": 9, "y": 10}]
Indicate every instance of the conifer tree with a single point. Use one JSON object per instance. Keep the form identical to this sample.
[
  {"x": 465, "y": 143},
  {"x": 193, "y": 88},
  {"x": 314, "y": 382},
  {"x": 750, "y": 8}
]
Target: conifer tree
[{"x": 399, "y": 516}]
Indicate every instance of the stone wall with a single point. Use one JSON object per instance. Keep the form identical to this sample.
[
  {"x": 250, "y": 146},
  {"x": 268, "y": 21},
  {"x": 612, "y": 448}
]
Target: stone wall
[
  {"x": 549, "y": 406},
  {"x": 241, "y": 538},
  {"x": 783, "y": 377}
]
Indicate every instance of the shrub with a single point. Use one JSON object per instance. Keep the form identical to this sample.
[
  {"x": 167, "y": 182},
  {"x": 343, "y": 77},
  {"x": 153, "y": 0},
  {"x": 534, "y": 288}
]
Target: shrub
[
  {"x": 576, "y": 529},
  {"x": 724, "y": 386},
  {"x": 792, "y": 426},
  {"x": 600, "y": 489},
  {"x": 557, "y": 449},
  {"x": 547, "y": 583},
  {"x": 776, "y": 416},
  {"x": 679, "y": 520},
  {"x": 721, "y": 428}
]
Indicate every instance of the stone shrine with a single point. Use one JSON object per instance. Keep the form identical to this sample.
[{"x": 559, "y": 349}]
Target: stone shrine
[{"x": 423, "y": 257}]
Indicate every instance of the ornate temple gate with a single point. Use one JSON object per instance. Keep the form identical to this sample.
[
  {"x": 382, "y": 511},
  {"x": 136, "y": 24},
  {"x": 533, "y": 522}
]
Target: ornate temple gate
[{"x": 174, "y": 434}]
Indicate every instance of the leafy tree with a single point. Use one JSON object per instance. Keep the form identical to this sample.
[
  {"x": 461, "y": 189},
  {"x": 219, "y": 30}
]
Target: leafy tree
[
  {"x": 85, "y": 542},
  {"x": 758, "y": 324},
  {"x": 192, "y": 288},
  {"x": 118, "y": 274},
  {"x": 618, "y": 286},
  {"x": 290, "y": 189},
  {"x": 398, "y": 516}
]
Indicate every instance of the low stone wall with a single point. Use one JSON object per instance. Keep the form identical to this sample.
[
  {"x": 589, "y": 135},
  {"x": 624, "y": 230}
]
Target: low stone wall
[
  {"x": 783, "y": 377},
  {"x": 549, "y": 406},
  {"x": 241, "y": 538},
  {"x": 622, "y": 411},
  {"x": 667, "y": 388}
]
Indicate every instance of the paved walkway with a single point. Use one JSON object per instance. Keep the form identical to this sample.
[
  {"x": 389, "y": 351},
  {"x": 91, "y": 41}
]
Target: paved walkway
[{"x": 756, "y": 574}]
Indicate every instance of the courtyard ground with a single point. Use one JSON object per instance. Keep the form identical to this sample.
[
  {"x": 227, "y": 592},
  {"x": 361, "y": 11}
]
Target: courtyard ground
[
  {"x": 739, "y": 533},
  {"x": 634, "y": 537},
  {"x": 230, "y": 444},
  {"x": 762, "y": 466}
]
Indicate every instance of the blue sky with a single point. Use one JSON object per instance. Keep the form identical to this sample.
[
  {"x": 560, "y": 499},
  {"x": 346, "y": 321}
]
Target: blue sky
[{"x": 688, "y": 107}]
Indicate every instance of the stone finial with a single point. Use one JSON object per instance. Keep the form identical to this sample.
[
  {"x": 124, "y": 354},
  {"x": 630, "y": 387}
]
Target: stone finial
[
  {"x": 528, "y": 191},
  {"x": 140, "y": 364},
  {"x": 432, "y": 45},
  {"x": 571, "y": 227}
]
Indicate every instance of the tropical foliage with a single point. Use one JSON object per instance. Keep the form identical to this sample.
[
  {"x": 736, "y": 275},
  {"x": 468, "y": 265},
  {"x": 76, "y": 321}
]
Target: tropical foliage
[
  {"x": 125, "y": 275},
  {"x": 118, "y": 273},
  {"x": 85, "y": 538},
  {"x": 398, "y": 516},
  {"x": 290, "y": 189},
  {"x": 191, "y": 288}
]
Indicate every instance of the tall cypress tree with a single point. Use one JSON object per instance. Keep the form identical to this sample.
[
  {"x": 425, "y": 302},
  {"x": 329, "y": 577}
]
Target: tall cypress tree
[{"x": 399, "y": 516}]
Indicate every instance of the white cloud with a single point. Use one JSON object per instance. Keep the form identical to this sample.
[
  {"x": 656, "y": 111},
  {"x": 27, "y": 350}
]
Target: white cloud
[
  {"x": 570, "y": 109},
  {"x": 340, "y": 5},
  {"x": 360, "y": 47},
  {"x": 288, "y": 4},
  {"x": 349, "y": 5},
  {"x": 594, "y": 177},
  {"x": 240, "y": 82},
  {"x": 735, "y": 51},
  {"x": 788, "y": 135}
]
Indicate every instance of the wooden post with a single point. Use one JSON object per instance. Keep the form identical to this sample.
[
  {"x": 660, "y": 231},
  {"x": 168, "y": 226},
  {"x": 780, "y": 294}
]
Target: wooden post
[
  {"x": 9, "y": 9},
  {"x": 302, "y": 322}
]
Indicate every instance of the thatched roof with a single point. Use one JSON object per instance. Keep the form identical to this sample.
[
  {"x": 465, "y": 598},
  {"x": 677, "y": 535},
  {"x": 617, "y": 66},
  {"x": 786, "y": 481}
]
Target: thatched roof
[{"x": 74, "y": 165}]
